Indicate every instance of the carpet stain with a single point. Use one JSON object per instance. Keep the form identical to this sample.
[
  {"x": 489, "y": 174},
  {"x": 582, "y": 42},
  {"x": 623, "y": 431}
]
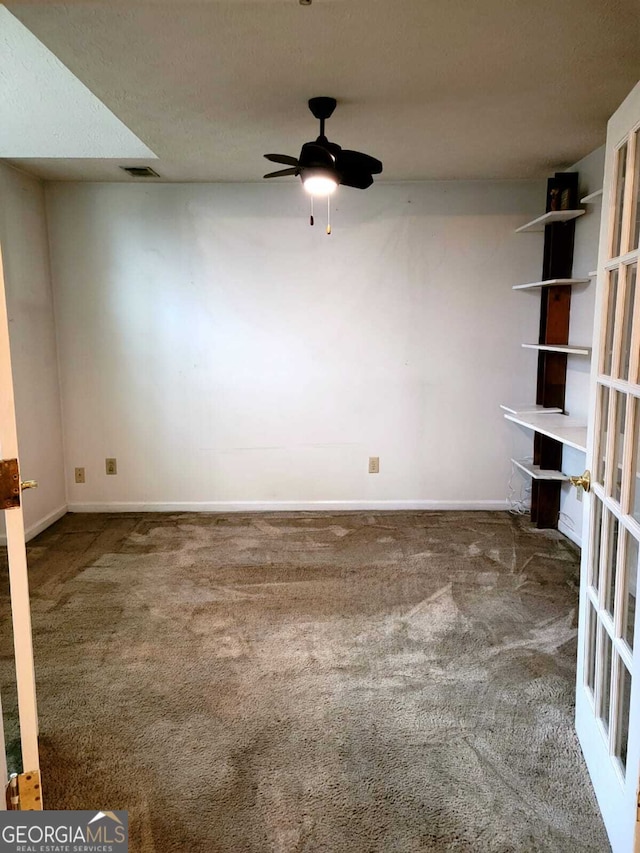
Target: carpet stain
[{"x": 311, "y": 682}]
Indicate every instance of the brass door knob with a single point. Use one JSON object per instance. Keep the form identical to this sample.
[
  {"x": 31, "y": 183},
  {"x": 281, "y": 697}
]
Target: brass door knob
[
  {"x": 28, "y": 484},
  {"x": 584, "y": 481}
]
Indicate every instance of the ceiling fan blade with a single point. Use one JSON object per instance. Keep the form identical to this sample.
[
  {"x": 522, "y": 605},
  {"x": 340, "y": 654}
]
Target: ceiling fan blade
[
  {"x": 282, "y": 158},
  {"x": 348, "y": 161},
  {"x": 281, "y": 173},
  {"x": 359, "y": 180}
]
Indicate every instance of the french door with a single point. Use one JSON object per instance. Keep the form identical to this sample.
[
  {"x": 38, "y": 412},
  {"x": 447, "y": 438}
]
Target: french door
[
  {"x": 608, "y": 679},
  {"x": 26, "y": 790}
]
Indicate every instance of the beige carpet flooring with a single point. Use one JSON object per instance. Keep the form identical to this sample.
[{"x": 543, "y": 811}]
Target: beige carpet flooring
[{"x": 279, "y": 683}]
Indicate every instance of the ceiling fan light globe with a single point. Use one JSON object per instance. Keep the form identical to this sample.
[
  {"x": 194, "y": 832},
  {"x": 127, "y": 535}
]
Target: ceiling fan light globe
[{"x": 320, "y": 185}]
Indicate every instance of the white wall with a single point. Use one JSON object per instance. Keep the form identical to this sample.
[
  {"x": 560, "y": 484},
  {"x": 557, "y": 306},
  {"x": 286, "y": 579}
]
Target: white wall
[
  {"x": 229, "y": 355},
  {"x": 23, "y": 236},
  {"x": 585, "y": 259}
]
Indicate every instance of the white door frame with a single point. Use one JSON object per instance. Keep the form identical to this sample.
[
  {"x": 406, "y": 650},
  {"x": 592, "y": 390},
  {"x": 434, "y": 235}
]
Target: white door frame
[{"x": 17, "y": 554}]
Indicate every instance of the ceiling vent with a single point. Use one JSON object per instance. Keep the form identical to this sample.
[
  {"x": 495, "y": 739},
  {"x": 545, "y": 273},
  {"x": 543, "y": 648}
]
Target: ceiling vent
[{"x": 140, "y": 171}]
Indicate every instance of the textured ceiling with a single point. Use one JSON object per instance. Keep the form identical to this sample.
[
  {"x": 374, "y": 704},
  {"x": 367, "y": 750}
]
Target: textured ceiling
[
  {"x": 45, "y": 111},
  {"x": 437, "y": 90}
]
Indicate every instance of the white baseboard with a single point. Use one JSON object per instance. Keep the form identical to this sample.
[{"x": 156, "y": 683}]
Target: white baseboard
[
  {"x": 288, "y": 506},
  {"x": 276, "y": 506},
  {"x": 34, "y": 529},
  {"x": 569, "y": 533}
]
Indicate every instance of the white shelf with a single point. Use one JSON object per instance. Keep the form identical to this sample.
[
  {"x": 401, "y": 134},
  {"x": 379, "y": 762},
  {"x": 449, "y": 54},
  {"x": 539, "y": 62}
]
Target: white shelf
[
  {"x": 588, "y": 199},
  {"x": 551, "y": 282},
  {"x": 531, "y": 409},
  {"x": 593, "y": 273},
  {"x": 565, "y": 429},
  {"x": 538, "y": 473},
  {"x": 570, "y": 349},
  {"x": 548, "y": 218}
]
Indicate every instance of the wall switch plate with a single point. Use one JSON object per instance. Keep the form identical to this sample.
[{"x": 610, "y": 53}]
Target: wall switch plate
[
  {"x": 79, "y": 475},
  {"x": 374, "y": 464},
  {"x": 111, "y": 466}
]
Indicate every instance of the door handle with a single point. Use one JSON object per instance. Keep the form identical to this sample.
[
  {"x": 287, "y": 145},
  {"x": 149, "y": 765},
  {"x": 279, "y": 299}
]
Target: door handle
[
  {"x": 28, "y": 484},
  {"x": 584, "y": 481}
]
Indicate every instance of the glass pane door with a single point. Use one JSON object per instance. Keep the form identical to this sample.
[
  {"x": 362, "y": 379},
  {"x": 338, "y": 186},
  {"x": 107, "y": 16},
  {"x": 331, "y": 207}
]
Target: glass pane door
[{"x": 606, "y": 702}]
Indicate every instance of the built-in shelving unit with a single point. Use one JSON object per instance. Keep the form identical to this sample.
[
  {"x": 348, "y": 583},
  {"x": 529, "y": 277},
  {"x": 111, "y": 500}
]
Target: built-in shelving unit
[
  {"x": 552, "y": 429},
  {"x": 594, "y": 196},
  {"x": 569, "y": 349},
  {"x": 552, "y": 282},
  {"x": 538, "y": 473},
  {"x": 530, "y": 409},
  {"x": 549, "y": 218},
  {"x": 561, "y": 428}
]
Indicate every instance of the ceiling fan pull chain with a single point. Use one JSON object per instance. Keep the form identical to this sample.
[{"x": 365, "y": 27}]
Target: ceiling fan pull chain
[
  {"x": 311, "y": 214},
  {"x": 328, "y": 214}
]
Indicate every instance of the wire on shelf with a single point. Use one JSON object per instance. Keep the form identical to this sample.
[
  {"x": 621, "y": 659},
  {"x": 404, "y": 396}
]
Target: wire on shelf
[{"x": 519, "y": 500}]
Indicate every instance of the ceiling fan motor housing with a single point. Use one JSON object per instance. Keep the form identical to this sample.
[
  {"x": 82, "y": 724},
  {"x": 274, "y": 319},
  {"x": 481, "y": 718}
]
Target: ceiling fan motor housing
[{"x": 315, "y": 156}]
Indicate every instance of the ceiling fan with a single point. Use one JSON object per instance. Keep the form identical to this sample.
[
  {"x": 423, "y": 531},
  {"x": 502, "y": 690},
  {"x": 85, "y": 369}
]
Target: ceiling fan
[{"x": 323, "y": 165}]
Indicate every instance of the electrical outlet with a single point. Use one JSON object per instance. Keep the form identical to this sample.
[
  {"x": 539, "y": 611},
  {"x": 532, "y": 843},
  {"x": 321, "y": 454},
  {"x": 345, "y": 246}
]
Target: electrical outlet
[
  {"x": 79, "y": 475},
  {"x": 111, "y": 466},
  {"x": 374, "y": 464}
]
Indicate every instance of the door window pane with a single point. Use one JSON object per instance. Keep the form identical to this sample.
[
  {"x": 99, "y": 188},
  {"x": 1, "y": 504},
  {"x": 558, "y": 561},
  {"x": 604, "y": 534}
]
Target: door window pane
[
  {"x": 611, "y": 567},
  {"x": 630, "y": 589},
  {"x": 596, "y": 536},
  {"x": 621, "y": 173},
  {"x": 629, "y": 301},
  {"x": 635, "y": 208},
  {"x": 624, "y": 702},
  {"x": 601, "y": 451},
  {"x": 620, "y": 415},
  {"x": 605, "y": 677},
  {"x": 607, "y": 353},
  {"x": 590, "y": 669},
  {"x": 635, "y": 466}
]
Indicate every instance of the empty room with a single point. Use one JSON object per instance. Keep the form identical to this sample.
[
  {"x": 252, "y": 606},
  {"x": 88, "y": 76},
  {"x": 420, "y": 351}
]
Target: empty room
[{"x": 319, "y": 426}]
